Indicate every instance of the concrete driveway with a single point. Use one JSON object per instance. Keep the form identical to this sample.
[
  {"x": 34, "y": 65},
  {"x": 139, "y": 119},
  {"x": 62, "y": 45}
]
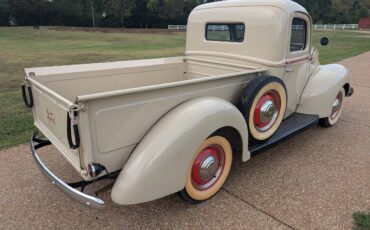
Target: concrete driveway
[{"x": 315, "y": 180}]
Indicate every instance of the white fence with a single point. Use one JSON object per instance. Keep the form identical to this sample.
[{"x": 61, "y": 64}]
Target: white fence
[
  {"x": 316, "y": 27},
  {"x": 335, "y": 27},
  {"x": 177, "y": 27}
]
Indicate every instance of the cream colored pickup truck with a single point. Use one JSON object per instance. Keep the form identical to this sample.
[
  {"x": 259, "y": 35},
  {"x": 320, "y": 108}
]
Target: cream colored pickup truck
[{"x": 249, "y": 79}]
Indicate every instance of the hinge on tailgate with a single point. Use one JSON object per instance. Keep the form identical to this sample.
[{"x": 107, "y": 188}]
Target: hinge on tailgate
[
  {"x": 26, "y": 89},
  {"x": 72, "y": 115},
  {"x": 76, "y": 107}
]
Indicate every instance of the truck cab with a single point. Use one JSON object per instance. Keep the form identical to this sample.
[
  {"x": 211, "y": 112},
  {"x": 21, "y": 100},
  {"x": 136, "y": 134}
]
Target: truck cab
[{"x": 272, "y": 34}]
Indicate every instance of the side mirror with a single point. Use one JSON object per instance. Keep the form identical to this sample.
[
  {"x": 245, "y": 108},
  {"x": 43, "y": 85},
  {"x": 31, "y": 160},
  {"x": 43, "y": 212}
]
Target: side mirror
[{"x": 324, "y": 41}]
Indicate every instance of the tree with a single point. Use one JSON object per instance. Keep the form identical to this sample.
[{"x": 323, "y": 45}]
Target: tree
[
  {"x": 120, "y": 9},
  {"x": 4, "y": 12},
  {"x": 92, "y": 12},
  {"x": 170, "y": 11},
  {"x": 28, "y": 10},
  {"x": 139, "y": 14}
]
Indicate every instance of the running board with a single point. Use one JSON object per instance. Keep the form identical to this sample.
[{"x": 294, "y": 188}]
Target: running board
[{"x": 290, "y": 127}]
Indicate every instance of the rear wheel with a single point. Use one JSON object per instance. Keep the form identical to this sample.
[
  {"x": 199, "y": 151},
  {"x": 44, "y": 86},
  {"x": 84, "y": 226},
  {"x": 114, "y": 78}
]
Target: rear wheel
[
  {"x": 336, "y": 110},
  {"x": 208, "y": 170}
]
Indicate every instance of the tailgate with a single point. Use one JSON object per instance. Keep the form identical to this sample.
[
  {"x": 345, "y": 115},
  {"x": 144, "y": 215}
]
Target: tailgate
[{"x": 50, "y": 117}]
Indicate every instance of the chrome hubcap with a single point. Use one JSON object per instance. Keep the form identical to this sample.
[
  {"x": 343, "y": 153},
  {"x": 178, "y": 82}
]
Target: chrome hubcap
[
  {"x": 267, "y": 111},
  {"x": 336, "y": 106},
  {"x": 208, "y": 168}
]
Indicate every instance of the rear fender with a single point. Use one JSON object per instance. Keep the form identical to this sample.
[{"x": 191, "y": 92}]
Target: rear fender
[
  {"x": 322, "y": 89},
  {"x": 160, "y": 163}
]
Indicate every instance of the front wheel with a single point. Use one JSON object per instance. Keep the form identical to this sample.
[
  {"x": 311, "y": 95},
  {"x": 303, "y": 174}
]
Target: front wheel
[
  {"x": 336, "y": 111},
  {"x": 208, "y": 170}
]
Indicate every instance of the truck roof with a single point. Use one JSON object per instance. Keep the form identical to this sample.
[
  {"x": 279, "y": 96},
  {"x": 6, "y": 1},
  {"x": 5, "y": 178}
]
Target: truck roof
[{"x": 287, "y": 5}]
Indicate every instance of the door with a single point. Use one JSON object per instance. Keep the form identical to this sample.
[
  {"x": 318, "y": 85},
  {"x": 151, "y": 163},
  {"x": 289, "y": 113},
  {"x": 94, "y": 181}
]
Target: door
[{"x": 298, "y": 59}]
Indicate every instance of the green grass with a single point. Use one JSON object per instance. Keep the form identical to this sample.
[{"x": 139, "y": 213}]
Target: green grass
[
  {"x": 342, "y": 45},
  {"x": 26, "y": 47},
  {"x": 361, "y": 221}
]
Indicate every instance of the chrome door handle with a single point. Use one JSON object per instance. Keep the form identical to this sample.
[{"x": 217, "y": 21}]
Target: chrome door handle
[{"x": 289, "y": 70}]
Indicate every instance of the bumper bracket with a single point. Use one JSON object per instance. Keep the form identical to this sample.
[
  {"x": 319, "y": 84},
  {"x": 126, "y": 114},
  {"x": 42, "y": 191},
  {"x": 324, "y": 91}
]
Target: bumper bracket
[{"x": 82, "y": 198}]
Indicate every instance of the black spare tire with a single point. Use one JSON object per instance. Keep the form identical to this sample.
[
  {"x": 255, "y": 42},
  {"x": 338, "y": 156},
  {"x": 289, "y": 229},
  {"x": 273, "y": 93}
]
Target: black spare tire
[{"x": 263, "y": 104}]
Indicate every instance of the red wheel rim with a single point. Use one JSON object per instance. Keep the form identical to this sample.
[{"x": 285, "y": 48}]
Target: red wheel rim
[
  {"x": 207, "y": 167},
  {"x": 267, "y": 110}
]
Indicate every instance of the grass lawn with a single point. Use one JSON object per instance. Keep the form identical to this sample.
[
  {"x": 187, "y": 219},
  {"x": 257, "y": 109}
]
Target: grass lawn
[
  {"x": 26, "y": 47},
  {"x": 361, "y": 221}
]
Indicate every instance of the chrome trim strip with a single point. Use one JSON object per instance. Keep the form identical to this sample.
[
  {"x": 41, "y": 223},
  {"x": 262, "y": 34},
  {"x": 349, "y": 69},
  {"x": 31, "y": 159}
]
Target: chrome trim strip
[{"x": 76, "y": 195}]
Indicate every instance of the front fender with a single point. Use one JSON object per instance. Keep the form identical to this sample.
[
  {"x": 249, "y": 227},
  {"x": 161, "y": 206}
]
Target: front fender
[
  {"x": 159, "y": 165},
  {"x": 322, "y": 89}
]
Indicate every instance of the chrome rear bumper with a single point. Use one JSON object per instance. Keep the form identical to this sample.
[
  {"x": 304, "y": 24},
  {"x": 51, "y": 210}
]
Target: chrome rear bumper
[{"x": 76, "y": 195}]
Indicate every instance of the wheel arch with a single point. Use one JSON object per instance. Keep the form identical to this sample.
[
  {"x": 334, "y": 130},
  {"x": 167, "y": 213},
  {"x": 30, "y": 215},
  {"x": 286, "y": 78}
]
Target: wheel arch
[
  {"x": 234, "y": 137},
  {"x": 159, "y": 164}
]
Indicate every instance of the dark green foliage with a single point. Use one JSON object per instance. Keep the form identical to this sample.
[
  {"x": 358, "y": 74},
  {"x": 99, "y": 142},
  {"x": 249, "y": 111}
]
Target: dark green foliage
[
  {"x": 336, "y": 11},
  {"x": 102, "y": 13}
]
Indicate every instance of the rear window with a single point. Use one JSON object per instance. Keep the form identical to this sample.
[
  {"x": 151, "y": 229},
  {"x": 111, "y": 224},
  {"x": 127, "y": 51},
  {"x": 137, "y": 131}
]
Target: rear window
[{"x": 225, "y": 32}]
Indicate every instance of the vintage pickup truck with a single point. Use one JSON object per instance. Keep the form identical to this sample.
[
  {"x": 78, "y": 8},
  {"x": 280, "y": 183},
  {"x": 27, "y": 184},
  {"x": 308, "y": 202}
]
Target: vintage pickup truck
[{"x": 249, "y": 79}]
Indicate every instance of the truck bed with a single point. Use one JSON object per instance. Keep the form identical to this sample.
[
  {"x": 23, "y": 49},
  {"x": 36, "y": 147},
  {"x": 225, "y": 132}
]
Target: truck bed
[
  {"x": 121, "y": 101},
  {"x": 75, "y": 81}
]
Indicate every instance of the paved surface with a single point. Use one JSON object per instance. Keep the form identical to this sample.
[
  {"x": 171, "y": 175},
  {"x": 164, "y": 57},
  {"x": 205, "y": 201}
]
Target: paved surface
[{"x": 313, "y": 181}]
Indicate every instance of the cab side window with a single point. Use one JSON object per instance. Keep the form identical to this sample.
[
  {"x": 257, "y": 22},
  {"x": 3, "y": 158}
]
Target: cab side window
[{"x": 299, "y": 35}]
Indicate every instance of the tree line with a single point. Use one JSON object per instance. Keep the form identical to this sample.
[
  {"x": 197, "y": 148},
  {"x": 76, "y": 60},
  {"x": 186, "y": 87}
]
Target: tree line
[
  {"x": 99, "y": 13},
  {"x": 337, "y": 11},
  {"x": 148, "y": 13}
]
